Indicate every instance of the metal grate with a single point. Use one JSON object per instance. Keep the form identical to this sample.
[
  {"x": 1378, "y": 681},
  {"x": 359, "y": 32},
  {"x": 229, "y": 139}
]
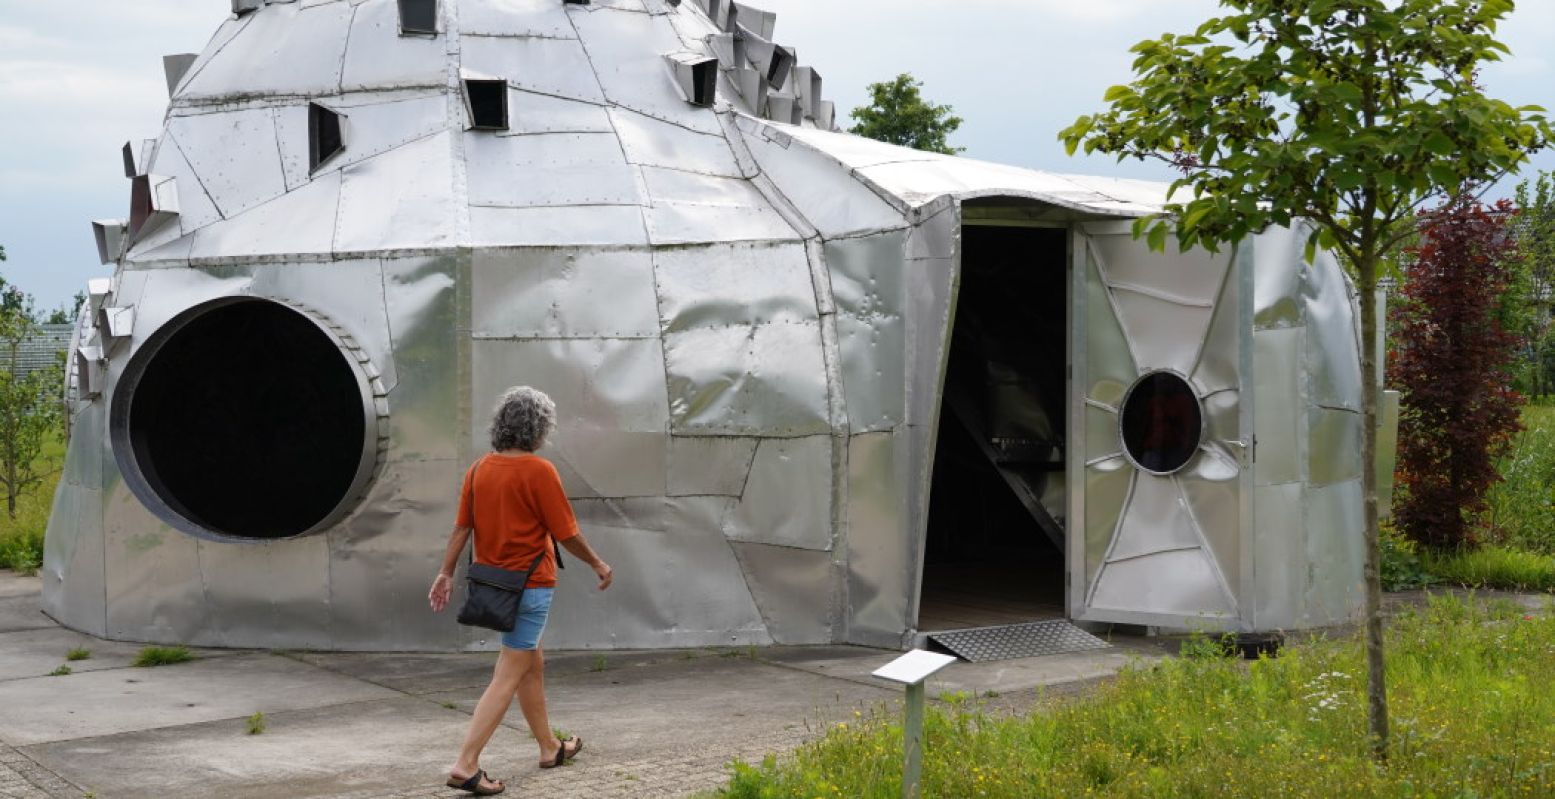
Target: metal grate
[{"x": 982, "y": 644}]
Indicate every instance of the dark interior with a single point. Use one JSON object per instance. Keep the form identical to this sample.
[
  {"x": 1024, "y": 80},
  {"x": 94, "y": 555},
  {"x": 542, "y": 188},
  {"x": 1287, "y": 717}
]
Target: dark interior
[
  {"x": 488, "y": 104},
  {"x": 247, "y": 421},
  {"x": 418, "y": 16},
  {"x": 1162, "y": 422},
  {"x": 324, "y": 135},
  {"x": 989, "y": 559}
]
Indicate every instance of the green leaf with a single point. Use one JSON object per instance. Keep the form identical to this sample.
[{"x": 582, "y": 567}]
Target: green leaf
[
  {"x": 1116, "y": 93},
  {"x": 1157, "y": 239}
]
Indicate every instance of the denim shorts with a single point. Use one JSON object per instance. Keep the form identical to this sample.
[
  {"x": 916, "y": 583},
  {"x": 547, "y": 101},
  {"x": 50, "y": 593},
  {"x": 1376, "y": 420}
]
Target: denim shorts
[{"x": 533, "y": 610}]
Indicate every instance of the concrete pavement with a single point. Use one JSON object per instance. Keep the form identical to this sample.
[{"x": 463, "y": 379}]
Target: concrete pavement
[{"x": 660, "y": 723}]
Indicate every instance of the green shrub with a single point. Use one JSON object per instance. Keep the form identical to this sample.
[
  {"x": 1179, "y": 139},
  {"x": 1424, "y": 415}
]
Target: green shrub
[
  {"x": 78, "y": 654},
  {"x": 1467, "y": 685},
  {"x": 21, "y": 538},
  {"x": 1521, "y": 508},
  {"x": 1495, "y": 567},
  {"x": 256, "y": 724},
  {"x": 162, "y": 656},
  {"x": 1402, "y": 568}
]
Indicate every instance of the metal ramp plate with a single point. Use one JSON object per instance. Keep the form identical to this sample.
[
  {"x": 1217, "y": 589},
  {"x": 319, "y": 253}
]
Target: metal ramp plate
[{"x": 1006, "y": 642}]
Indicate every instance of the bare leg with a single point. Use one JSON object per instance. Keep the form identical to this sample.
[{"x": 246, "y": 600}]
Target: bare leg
[
  {"x": 531, "y": 700},
  {"x": 489, "y": 711}
]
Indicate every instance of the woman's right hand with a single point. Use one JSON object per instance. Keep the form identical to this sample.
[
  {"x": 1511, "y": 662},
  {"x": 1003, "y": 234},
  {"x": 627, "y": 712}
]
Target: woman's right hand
[
  {"x": 605, "y": 573},
  {"x": 442, "y": 589}
]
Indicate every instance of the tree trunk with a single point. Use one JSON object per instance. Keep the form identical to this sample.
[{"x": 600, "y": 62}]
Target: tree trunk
[{"x": 1376, "y": 673}]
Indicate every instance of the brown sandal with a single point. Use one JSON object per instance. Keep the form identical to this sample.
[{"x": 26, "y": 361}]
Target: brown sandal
[
  {"x": 563, "y": 755},
  {"x": 473, "y": 785}
]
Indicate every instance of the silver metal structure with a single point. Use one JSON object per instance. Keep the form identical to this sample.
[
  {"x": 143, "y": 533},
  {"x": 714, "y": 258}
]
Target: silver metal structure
[{"x": 355, "y": 230}]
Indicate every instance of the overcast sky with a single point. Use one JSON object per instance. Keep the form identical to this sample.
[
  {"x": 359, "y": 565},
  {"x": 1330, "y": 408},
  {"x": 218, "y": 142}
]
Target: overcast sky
[{"x": 78, "y": 78}]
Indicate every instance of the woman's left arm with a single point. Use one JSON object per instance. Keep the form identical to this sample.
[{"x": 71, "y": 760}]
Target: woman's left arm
[{"x": 443, "y": 584}]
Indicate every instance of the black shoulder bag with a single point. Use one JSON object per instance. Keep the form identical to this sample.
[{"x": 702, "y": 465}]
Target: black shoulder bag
[{"x": 492, "y": 595}]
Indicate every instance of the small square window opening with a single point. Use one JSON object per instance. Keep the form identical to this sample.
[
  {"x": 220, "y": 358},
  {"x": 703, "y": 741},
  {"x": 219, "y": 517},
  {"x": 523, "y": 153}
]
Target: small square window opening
[
  {"x": 488, "y": 103},
  {"x": 325, "y": 137}
]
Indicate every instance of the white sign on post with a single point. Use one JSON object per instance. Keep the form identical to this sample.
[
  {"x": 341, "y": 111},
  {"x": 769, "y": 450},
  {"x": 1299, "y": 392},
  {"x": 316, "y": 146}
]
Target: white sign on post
[{"x": 911, "y": 670}]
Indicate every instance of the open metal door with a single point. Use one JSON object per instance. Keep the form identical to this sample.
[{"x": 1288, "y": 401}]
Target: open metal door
[{"x": 1161, "y": 433}]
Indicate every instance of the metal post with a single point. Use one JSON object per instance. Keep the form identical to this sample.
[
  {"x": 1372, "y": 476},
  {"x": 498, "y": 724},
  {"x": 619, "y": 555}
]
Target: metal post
[{"x": 912, "y": 743}]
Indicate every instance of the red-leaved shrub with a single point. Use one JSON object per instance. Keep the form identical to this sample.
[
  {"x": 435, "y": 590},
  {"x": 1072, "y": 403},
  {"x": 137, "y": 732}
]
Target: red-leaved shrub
[{"x": 1453, "y": 362}]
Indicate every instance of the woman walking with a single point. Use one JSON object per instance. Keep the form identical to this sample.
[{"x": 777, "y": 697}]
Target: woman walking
[{"x": 513, "y": 503}]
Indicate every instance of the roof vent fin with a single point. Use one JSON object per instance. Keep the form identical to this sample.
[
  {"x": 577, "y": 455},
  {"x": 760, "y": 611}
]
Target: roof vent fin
[
  {"x": 175, "y": 67},
  {"x": 153, "y": 203},
  {"x": 241, "y": 7},
  {"x": 696, "y": 77},
  {"x": 109, "y": 234}
]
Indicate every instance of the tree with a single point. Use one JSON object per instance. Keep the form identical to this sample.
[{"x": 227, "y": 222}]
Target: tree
[
  {"x": 898, "y": 114},
  {"x": 1535, "y": 230},
  {"x": 1349, "y": 114},
  {"x": 1453, "y": 359},
  {"x": 67, "y": 313},
  {"x": 29, "y": 407}
]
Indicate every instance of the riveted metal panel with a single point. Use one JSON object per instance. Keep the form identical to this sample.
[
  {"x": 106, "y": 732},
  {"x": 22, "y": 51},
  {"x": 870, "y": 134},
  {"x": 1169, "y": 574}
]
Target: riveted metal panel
[
  {"x": 766, "y": 379},
  {"x": 710, "y": 466},
  {"x": 831, "y": 198},
  {"x": 883, "y": 551},
  {"x": 523, "y": 18},
  {"x": 301, "y": 48},
  {"x": 299, "y": 222},
  {"x": 1335, "y": 553},
  {"x": 590, "y": 226},
  {"x": 1280, "y": 423},
  {"x": 612, "y": 421},
  {"x": 1193, "y": 277},
  {"x": 794, "y": 589},
  {"x": 1280, "y": 557},
  {"x": 529, "y": 113},
  {"x": 196, "y": 209},
  {"x": 558, "y": 67},
  {"x": 867, "y": 277},
  {"x": 152, "y": 580},
  {"x": 733, "y": 285},
  {"x": 1181, "y": 583},
  {"x": 1279, "y": 271},
  {"x": 626, "y": 51},
  {"x": 687, "y": 588},
  {"x": 400, "y": 199},
  {"x": 1334, "y": 446},
  {"x": 377, "y": 56},
  {"x": 652, "y": 142},
  {"x": 419, "y": 293},
  {"x": 564, "y": 293},
  {"x": 270, "y": 594},
  {"x": 1333, "y": 362},
  {"x": 380, "y": 554},
  {"x": 371, "y": 127},
  {"x": 786, "y": 468}
]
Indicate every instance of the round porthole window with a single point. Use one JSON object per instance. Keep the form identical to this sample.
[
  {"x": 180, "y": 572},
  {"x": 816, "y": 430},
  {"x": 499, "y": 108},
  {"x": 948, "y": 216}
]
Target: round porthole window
[
  {"x": 1162, "y": 423},
  {"x": 244, "y": 419}
]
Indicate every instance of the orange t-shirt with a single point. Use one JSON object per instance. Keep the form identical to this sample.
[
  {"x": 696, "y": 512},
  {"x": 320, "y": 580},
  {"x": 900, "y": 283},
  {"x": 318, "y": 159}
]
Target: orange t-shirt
[{"x": 516, "y": 506}]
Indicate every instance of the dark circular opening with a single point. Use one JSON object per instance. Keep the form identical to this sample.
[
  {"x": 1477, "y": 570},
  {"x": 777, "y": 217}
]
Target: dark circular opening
[
  {"x": 1162, "y": 422},
  {"x": 246, "y": 420}
]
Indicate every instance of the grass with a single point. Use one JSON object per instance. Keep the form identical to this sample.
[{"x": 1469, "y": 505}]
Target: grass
[
  {"x": 1521, "y": 508},
  {"x": 62, "y": 671},
  {"x": 1493, "y": 567},
  {"x": 21, "y": 538},
  {"x": 78, "y": 654},
  {"x": 162, "y": 656},
  {"x": 1470, "y": 707},
  {"x": 599, "y": 664},
  {"x": 256, "y": 724}
]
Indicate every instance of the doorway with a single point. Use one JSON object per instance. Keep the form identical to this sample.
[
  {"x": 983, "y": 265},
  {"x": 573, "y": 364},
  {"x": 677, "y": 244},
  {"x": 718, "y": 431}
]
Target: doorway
[{"x": 995, "y": 547}]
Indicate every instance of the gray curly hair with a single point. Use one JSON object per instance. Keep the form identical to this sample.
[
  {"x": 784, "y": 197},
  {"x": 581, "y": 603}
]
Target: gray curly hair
[{"x": 523, "y": 418}]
